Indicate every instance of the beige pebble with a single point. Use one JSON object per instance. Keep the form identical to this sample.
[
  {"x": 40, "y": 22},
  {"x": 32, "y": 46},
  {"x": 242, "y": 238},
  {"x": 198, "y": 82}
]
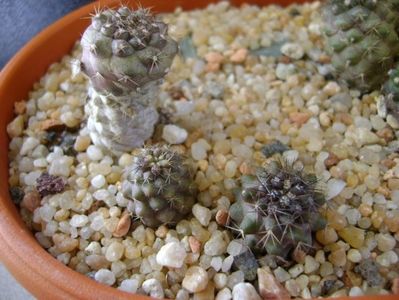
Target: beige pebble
[
  {"x": 195, "y": 280},
  {"x": 16, "y": 127},
  {"x": 51, "y": 124},
  {"x": 269, "y": 287},
  {"x": 195, "y": 245},
  {"x": 221, "y": 217},
  {"x": 395, "y": 286},
  {"x": 31, "y": 201},
  {"x": 239, "y": 56},
  {"x": 214, "y": 57},
  {"x": 82, "y": 143},
  {"x": 299, "y": 118},
  {"x": 20, "y": 107},
  {"x": 123, "y": 226}
]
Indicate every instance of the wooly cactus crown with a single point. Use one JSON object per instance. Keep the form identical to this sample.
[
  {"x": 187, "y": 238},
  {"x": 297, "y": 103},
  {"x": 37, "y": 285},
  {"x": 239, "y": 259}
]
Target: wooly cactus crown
[
  {"x": 277, "y": 209},
  {"x": 161, "y": 185},
  {"x": 363, "y": 40},
  {"x": 125, "y": 53}
]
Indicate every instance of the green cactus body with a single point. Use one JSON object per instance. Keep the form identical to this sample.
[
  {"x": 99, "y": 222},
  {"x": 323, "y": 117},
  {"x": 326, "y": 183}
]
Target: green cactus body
[
  {"x": 362, "y": 39},
  {"x": 161, "y": 185},
  {"x": 277, "y": 209},
  {"x": 125, "y": 53},
  {"x": 391, "y": 86}
]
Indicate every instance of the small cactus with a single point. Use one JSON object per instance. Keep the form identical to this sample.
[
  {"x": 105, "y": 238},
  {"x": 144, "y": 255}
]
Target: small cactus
[
  {"x": 161, "y": 185},
  {"x": 125, "y": 53},
  {"x": 277, "y": 209}
]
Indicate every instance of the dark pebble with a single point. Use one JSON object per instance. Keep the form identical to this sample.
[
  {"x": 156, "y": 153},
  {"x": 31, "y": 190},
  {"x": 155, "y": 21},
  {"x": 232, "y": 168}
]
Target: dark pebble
[
  {"x": 247, "y": 263},
  {"x": 273, "y": 148},
  {"x": 16, "y": 194},
  {"x": 369, "y": 270}
]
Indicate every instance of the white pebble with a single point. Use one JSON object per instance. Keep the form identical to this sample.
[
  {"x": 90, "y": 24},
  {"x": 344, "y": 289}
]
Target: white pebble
[
  {"x": 202, "y": 214},
  {"x": 216, "y": 245},
  {"x": 234, "y": 278},
  {"x": 94, "y": 153},
  {"x": 61, "y": 166},
  {"x": 216, "y": 263},
  {"x": 334, "y": 187},
  {"x": 354, "y": 255},
  {"x": 385, "y": 242},
  {"x": 292, "y": 50},
  {"x": 105, "y": 276},
  {"x": 98, "y": 181},
  {"x": 227, "y": 263},
  {"x": 40, "y": 163},
  {"x": 47, "y": 212},
  {"x": 281, "y": 274},
  {"x": 296, "y": 270},
  {"x": 246, "y": 291},
  {"x": 220, "y": 280},
  {"x": 153, "y": 288},
  {"x": 28, "y": 145},
  {"x": 182, "y": 294},
  {"x": 30, "y": 178},
  {"x": 171, "y": 255},
  {"x": 387, "y": 258},
  {"x": 235, "y": 247},
  {"x": 114, "y": 251},
  {"x": 174, "y": 134},
  {"x": 311, "y": 264},
  {"x": 290, "y": 156},
  {"x": 78, "y": 221},
  {"x": 284, "y": 70},
  {"x": 224, "y": 294},
  {"x": 129, "y": 285},
  {"x": 356, "y": 291},
  {"x": 195, "y": 280},
  {"x": 198, "y": 151}
]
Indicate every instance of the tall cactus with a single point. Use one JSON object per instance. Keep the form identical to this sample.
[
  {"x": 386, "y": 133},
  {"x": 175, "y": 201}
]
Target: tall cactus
[{"x": 125, "y": 53}]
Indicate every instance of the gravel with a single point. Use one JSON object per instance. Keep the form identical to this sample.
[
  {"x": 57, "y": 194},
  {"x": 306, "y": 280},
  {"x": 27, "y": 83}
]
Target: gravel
[{"x": 238, "y": 94}]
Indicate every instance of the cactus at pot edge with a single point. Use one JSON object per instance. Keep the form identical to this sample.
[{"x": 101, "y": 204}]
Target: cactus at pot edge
[
  {"x": 362, "y": 38},
  {"x": 277, "y": 209},
  {"x": 391, "y": 93},
  {"x": 161, "y": 185},
  {"x": 125, "y": 53}
]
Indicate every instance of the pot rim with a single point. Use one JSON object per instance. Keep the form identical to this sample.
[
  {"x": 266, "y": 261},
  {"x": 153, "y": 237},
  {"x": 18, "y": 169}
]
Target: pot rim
[{"x": 36, "y": 269}]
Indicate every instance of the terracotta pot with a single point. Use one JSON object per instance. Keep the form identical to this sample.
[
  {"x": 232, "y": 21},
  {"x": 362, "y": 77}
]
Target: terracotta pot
[{"x": 32, "y": 266}]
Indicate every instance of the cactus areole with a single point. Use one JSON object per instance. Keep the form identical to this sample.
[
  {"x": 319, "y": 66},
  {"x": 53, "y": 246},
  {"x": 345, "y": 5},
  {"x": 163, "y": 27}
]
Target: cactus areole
[
  {"x": 125, "y": 53},
  {"x": 277, "y": 209}
]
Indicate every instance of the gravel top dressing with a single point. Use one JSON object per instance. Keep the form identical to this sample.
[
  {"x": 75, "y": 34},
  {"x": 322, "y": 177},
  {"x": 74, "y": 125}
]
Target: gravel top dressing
[{"x": 250, "y": 86}]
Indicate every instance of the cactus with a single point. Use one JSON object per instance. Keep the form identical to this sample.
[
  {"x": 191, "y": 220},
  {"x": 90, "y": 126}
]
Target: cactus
[
  {"x": 390, "y": 101},
  {"x": 125, "y": 53},
  {"x": 277, "y": 209},
  {"x": 161, "y": 185},
  {"x": 362, "y": 39}
]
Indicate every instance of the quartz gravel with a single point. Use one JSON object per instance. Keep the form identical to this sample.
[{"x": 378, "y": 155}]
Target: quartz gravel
[{"x": 249, "y": 84}]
